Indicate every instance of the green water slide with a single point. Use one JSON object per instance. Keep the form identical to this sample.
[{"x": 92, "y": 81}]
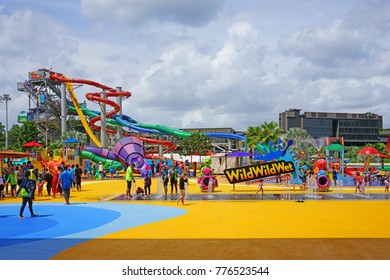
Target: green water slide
[{"x": 106, "y": 162}]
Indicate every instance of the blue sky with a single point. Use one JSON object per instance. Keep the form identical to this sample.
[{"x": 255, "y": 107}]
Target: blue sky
[{"x": 191, "y": 63}]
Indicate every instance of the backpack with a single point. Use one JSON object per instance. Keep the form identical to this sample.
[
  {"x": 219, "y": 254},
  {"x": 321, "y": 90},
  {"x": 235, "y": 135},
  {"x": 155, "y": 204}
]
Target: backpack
[
  {"x": 25, "y": 188},
  {"x": 24, "y": 193}
]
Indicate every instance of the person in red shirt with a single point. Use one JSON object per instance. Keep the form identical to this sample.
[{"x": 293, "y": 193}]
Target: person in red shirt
[{"x": 358, "y": 181}]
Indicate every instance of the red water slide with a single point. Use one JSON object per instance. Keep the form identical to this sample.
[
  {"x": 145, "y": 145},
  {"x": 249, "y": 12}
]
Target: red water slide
[
  {"x": 110, "y": 92},
  {"x": 95, "y": 96}
]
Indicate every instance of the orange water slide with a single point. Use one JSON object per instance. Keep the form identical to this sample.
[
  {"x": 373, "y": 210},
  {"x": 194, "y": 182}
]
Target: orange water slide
[
  {"x": 170, "y": 146},
  {"x": 95, "y": 96}
]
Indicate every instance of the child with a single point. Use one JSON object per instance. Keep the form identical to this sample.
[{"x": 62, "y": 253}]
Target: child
[
  {"x": 40, "y": 185},
  {"x": 140, "y": 191},
  {"x": 40, "y": 188},
  {"x": 358, "y": 182},
  {"x": 11, "y": 179},
  {"x": 386, "y": 182},
  {"x": 260, "y": 187},
  {"x": 182, "y": 183}
]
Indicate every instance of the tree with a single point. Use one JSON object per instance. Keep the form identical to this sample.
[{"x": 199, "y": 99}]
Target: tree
[
  {"x": 253, "y": 136},
  {"x": 270, "y": 132},
  {"x": 28, "y": 132},
  {"x": 263, "y": 134},
  {"x": 13, "y": 136},
  {"x": 196, "y": 143}
]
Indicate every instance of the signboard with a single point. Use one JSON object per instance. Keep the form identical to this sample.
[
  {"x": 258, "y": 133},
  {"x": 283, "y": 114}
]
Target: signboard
[{"x": 253, "y": 172}]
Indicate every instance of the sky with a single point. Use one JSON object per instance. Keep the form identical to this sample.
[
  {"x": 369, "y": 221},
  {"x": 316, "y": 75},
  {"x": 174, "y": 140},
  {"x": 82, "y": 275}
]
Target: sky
[{"x": 210, "y": 63}]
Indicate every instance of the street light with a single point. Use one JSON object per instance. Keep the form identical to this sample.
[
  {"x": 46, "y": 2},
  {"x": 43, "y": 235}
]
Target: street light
[{"x": 6, "y": 98}]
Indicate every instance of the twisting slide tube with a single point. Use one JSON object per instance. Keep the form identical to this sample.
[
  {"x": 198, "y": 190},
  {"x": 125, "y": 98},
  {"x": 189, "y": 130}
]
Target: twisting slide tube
[
  {"x": 95, "y": 154},
  {"x": 131, "y": 150}
]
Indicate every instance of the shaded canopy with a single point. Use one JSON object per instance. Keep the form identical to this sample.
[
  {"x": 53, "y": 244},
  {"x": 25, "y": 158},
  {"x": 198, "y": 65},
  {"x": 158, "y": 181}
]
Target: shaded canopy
[
  {"x": 335, "y": 147},
  {"x": 369, "y": 151},
  {"x": 13, "y": 154},
  {"x": 240, "y": 154},
  {"x": 71, "y": 140},
  {"x": 32, "y": 144}
]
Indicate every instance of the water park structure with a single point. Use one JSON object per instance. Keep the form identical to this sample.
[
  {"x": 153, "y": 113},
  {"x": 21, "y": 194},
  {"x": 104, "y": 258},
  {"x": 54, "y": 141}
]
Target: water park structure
[
  {"x": 243, "y": 225},
  {"x": 53, "y": 95}
]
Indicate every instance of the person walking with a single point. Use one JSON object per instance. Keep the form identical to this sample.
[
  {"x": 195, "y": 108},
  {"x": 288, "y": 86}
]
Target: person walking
[
  {"x": 129, "y": 179},
  {"x": 148, "y": 181},
  {"x": 182, "y": 185},
  {"x": 32, "y": 177},
  {"x": 65, "y": 179},
  {"x": 25, "y": 193},
  {"x": 112, "y": 171},
  {"x": 77, "y": 173},
  {"x": 54, "y": 184},
  {"x": 173, "y": 179},
  {"x": 261, "y": 182},
  {"x": 48, "y": 179}
]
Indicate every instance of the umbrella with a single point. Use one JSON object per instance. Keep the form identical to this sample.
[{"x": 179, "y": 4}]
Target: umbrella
[
  {"x": 32, "y": 144},
  {"x": 240, "y": 154},
  {"x": 369, "y": 152},
  {"x": 71, "y": 140}
]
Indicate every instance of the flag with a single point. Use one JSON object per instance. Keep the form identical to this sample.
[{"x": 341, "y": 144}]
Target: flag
[{"x": 388, "y": 144}]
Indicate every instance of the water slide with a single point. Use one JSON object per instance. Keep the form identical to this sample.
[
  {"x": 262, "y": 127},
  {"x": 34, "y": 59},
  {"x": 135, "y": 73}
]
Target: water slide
[
  {"x": 127, "y": 150},
  {"x": 130, "y": 123},
  {"x": 94, "y": 97},
  {"x": 125, "y": 121},
  {"x": 94, "y": 156}
]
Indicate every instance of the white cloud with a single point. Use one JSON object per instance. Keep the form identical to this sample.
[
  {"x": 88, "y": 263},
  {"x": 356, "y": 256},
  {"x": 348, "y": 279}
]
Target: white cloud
[
  {"x": 186, "y": 12},
  {"x": 353, "y": 47},
  {"x": 235, "y": 69}
]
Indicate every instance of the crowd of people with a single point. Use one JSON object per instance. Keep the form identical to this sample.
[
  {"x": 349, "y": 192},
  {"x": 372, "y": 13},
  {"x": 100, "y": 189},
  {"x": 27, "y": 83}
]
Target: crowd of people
[
  {"x": 29, "y": 182},
  {"x": 173, "y": 177}
]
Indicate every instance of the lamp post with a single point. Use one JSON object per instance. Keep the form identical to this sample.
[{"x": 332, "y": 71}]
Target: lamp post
[{"x": 6, "y": 98}]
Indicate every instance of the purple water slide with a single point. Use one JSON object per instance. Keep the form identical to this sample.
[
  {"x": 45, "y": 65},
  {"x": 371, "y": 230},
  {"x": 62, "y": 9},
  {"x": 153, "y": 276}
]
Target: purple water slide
[
  {"x": 131, "y": 150},
  {"x": 101, "y": 152}
]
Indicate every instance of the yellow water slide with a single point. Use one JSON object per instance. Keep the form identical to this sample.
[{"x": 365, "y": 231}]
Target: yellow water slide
[{"x": 76, "y": 104}]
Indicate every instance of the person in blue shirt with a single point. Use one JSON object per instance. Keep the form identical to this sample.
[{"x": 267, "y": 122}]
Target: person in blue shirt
[
  {"x": 112, "y": 171},
  {"x": 65, "y": 179}
]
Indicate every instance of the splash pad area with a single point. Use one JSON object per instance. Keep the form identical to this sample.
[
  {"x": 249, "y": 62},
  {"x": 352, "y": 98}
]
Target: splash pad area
[{"x": 235, "y": 224}]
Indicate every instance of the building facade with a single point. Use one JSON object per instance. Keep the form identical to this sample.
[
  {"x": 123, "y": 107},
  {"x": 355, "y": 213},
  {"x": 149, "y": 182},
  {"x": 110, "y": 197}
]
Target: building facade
[{"x": 356, "y": 128}]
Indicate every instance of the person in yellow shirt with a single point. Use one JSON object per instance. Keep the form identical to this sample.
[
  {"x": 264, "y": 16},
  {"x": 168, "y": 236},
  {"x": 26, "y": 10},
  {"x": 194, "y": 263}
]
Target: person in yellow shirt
[{"x": 129, "y": 179}]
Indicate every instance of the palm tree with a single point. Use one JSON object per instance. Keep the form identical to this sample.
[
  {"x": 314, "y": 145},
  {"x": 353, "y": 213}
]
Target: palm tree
[
  {"x": 253, "y": 136},
  {"x": 300, "y": 137},
  {"x": 270, "y": 132},
  {"x": 262, "y": 134}
]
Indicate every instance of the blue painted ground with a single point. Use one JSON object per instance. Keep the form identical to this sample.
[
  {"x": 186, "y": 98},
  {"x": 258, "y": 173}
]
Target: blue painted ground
[{"x": 59, "y": 227}]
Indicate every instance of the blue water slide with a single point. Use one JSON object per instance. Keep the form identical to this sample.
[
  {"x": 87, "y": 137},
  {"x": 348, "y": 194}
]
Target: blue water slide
[{"x": 225, "y": 135}]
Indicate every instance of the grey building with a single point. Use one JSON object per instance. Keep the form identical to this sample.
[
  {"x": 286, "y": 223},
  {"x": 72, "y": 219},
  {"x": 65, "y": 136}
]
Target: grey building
[{"x": 356, "y": 128}]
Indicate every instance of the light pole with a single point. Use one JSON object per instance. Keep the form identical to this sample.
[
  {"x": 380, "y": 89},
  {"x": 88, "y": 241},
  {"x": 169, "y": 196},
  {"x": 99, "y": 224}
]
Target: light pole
[{"x": 6, "y": 98}]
